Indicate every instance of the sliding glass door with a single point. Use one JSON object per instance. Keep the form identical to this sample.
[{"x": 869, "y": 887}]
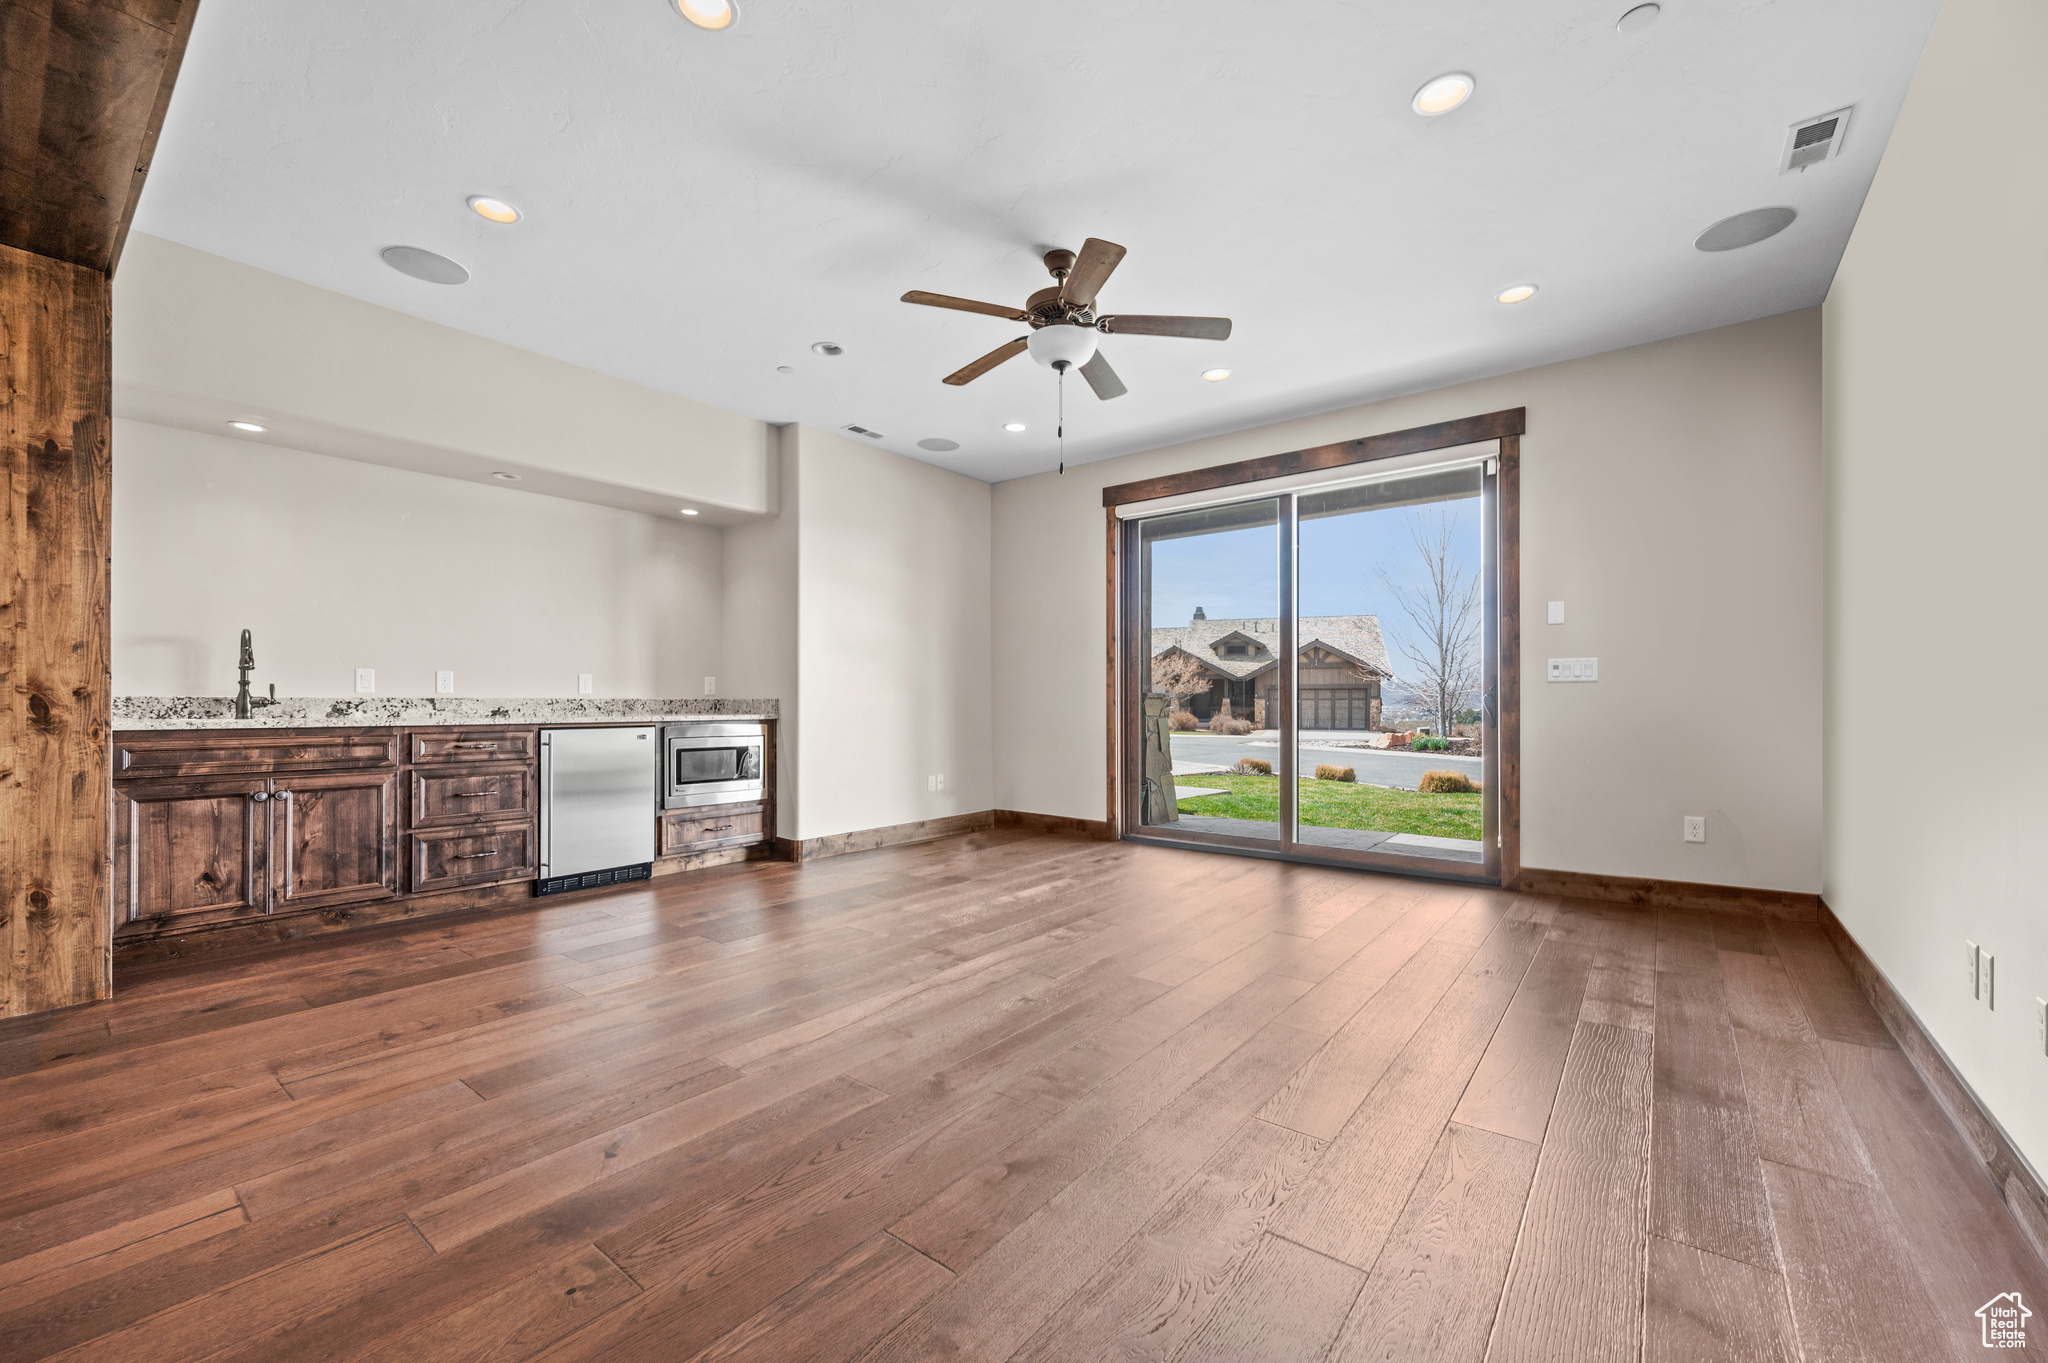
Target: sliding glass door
[{"x": 1313, "y": 673}]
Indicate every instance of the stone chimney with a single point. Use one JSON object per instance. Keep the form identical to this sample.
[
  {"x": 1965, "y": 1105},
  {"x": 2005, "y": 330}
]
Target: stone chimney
[{"x": 1199, "y": 615}]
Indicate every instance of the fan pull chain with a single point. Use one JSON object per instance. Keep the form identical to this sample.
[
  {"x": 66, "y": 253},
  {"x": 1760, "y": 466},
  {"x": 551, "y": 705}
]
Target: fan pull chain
[{"x": 1062, "y": 427}]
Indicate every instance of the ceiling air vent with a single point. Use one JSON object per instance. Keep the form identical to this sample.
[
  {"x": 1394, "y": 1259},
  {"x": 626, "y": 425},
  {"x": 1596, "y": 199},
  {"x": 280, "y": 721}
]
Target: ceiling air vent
[
  {"x": 862, "y": 430},
  {"x": 1814, "y": 141}
]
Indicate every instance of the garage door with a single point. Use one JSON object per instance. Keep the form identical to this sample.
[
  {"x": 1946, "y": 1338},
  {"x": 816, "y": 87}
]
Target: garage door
[{"x": 1336, "y": 707}]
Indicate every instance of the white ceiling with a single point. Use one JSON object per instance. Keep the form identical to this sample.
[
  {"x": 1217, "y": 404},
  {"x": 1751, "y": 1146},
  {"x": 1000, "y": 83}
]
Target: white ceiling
[{"x": 702, "y": 207}]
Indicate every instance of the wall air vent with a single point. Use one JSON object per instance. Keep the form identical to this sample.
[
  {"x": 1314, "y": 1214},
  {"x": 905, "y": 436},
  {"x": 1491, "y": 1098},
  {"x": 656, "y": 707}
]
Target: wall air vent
[
  {"x": 862, "y": 430},
  {"x": 1813, "y": 141}
]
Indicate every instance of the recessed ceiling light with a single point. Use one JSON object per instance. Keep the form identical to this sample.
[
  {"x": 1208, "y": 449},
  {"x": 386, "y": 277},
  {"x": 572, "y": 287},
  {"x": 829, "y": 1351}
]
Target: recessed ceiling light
[
  {"x": 1638, "y": 19},
  {"x": 1215, "y": 375},
  {"x": 1745, "y": 229},
  {"x": 423, "y": 264},
  {"x": 939, "y": 445},
  {"x": 711, "y": 14},
  {"x": 1520, "y": 293},
  {"x": 497, "y": 210},
  {"x": 828, "y": 347},
  {"x": 688, "y": 512},
  {"x": 1014, "y": 426},
  {"x": 1444, "y": 94},
  {"x": 507, "y": 477},
  {"x": 248, "y": 426}
]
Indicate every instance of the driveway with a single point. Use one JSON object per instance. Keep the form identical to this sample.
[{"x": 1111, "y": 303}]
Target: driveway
[{"x": 1376, "y": 766}]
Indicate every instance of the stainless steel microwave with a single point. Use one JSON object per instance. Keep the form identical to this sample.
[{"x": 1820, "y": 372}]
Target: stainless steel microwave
[{"x": 711, "y": 763}]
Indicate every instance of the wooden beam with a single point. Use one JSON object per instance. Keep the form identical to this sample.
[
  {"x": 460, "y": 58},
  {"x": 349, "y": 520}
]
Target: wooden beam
[
  {"x": 56, "y": 396},
  {"x": 84, "y": 86},
  {"x": 1443, "y": 435}
]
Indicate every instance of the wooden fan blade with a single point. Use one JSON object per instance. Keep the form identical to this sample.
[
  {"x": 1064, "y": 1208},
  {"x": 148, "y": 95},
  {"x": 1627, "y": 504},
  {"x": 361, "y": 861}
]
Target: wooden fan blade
[
  {"x": 1102, "y": 378},
  {"x": 987, "y": 362},
  {"x": 1091, "y": 271},
  {"x": 941, "y": 300},
  {"x": 1199, "y": 328}
]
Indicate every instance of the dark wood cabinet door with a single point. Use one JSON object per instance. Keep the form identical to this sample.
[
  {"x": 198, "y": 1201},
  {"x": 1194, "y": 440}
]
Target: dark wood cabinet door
[
  {"x": 207, "y": 752},
  {"x": 334, "y": 838},
  {"x": 190, "y": 852},
  {"x": 704, "y": 830}
]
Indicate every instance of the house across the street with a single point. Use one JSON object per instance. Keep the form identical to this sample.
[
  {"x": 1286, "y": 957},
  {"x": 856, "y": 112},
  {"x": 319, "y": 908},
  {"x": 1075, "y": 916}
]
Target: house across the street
[{"x": 1343, "y": 664}]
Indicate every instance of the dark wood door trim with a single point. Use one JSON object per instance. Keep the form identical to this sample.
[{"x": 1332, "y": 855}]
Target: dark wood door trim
[
  {"x": 1416, "y": 439},
  {"x": 1506, "y": 426}
]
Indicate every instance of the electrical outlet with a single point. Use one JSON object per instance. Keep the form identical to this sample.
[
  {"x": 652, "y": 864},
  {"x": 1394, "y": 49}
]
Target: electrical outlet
[
  {"x": 582, "y": 683},
  {"x": 1970, "y": 953},
  {"x": 444, "y": 683},
  {"x": 711, "y": 686},
  {"x": 1557, "y": 612},
  {"x": 1695, "y": 828},
  {"x": 366, "y": 680},
  {"x": 942, "y": 781},
  {"x": 2041, "y": 1025},
  {"x": 1987, "y": 976}
]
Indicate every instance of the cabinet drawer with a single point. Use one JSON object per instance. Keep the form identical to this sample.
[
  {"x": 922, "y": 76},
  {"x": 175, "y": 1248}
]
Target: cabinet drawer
[
  {"x": 211, "y": 753},
  {"x": 473, "y": 745},
  {"x": 470, "y": 794},
  {"x": 444, "y": 858},
  {"x": 701, "y": 831}
]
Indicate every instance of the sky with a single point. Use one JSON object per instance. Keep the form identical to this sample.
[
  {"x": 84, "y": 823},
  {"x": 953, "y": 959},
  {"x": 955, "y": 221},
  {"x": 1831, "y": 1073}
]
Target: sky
[{"x": 1237, "y": 572}]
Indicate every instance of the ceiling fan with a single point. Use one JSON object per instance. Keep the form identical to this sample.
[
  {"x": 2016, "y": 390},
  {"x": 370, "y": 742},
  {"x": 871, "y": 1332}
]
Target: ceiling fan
[{"x": 1063, "y": 320}]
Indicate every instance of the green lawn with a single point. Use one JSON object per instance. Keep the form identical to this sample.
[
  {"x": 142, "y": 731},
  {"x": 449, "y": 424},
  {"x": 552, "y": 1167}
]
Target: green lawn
[{"x": 1339, "y": 804}]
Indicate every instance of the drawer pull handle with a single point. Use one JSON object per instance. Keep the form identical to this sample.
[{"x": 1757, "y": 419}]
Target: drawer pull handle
[
  {"x": 470, "y": 794},
  {"x": 720, "y": 828},
  {"x": 475, "y": 745},
  {"x": 473, "y": 856}
]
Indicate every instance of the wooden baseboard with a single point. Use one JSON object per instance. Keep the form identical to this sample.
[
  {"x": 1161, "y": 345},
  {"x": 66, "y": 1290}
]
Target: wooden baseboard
[
  {"x": 2016, "y": 1180},
  {"x": 894, "y": 835},
  {"x": 1062, "y": 824},
  {"x": 1787, "y": 905}
]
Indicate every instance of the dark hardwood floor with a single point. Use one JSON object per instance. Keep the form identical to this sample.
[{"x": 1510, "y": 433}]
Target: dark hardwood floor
[{"x": 1001, "y": 1096}]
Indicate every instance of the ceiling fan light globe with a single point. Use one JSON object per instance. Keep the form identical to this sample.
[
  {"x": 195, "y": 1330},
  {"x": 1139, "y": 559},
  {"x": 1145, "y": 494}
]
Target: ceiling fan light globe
[{"x": 1056, "y": 345}]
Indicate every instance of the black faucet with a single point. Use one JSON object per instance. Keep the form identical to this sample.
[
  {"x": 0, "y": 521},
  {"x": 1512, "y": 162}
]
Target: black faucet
[{"x": 248, "y": 662}]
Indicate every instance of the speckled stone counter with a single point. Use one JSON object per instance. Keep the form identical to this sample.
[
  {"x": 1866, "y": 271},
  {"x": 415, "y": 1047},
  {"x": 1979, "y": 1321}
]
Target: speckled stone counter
[{"x": 315, "y": 712}]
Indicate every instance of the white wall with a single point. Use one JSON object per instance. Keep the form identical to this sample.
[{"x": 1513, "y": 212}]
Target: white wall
[
  {"x": 894, "y": 638},
  {"x": 864, "y": 606},
  {"x": 1670, "y": 496},
  {"x": 1937, "y": 473},
  {"x": 200, "y": 340},
  {"x": 761, "y": 605},
  {"x": 337, "y": 565}
]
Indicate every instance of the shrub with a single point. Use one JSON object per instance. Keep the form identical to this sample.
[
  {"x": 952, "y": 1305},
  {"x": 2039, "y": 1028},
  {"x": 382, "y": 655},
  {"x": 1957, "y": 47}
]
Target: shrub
[
  {"x": 1253, "y": 766},
  {"x": 1181, "y": 722},
  {"x": 1225, "y": 724},
  {"x": 1445, "y": 783},
  {"x": 1425, "y": 743},
  {"x": 1329, "y": 772}
]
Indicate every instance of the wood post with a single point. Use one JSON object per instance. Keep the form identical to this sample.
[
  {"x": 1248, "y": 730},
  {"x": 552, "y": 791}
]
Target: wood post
[{"x": 56, "y": 402}]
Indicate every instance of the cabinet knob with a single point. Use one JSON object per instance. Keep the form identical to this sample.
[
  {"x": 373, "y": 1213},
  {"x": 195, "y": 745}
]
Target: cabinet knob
[
  {"x": 259, "y": 796},
  {"x": 282, "y": 795}
]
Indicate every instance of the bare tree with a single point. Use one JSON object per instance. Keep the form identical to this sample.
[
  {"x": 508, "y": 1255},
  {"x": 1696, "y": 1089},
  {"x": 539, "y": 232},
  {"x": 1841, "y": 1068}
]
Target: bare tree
[
  {"x": 1444, "y": 606},
  {"x": 1177, "y": 675}
]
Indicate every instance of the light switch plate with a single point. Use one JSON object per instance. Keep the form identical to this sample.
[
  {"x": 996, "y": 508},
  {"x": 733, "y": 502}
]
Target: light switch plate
[
  {"x": 444, "y": 683},
  {"x": 582, "y": 683},
  {"x": 1573, "y": 670},
  {"x": 1987, "y": 977},
  {"x": 366, "y": 680},
  {"x": 1970, "y": 954},
  {"x": 711, "y": 686},
  {"x": 1557, "y": 612},
  {"x": 2041, "y": 1026},
  {"x": 1695, "y": 828}
]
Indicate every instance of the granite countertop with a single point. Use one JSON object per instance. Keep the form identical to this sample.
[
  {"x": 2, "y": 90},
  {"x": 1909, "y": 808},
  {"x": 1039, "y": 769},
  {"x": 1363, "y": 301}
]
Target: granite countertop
[{"x": 315, "y": 712}]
